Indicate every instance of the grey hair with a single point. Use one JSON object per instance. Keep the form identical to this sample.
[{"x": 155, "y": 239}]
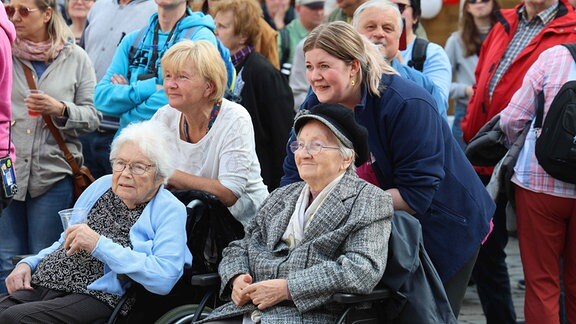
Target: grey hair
[
  {"x": 382, "y": 4},
  {"x": 155, "y": 140},
  {"x": 347, "y": 153}
]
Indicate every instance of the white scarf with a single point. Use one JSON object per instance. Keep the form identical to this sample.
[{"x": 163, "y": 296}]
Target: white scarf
[{"x": 303, "y": 214}]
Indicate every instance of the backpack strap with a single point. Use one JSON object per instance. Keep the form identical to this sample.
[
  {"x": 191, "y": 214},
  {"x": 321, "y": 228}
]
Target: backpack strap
[
  {"x": 134, "y": 46},
  {"x": 572, "y": 48},
  {"x": 285, "y": 46},
  {"x": 190, "y": 32},
  {"x": 419, "y": 54},
  {"x": 539, "y": 110}
]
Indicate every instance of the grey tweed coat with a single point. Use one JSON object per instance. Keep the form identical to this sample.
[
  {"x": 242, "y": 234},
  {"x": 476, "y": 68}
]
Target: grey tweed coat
[{"x": 344, "y": 250}]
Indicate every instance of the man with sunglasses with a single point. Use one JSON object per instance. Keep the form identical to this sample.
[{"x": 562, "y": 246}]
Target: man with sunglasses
[{"x": 512, "y": 46}]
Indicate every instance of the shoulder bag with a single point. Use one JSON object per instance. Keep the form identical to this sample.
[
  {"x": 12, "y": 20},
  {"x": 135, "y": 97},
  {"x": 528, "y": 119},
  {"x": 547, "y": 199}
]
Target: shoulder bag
[{"x": 81, "y": 174}]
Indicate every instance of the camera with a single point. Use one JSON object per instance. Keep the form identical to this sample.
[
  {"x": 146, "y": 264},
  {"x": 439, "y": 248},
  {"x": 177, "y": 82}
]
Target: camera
[{"x": 9, "y": 187}]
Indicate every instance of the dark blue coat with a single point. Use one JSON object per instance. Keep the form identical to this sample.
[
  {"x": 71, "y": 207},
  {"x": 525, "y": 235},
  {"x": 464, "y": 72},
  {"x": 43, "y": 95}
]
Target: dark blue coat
[{"x": 416, "y": 153}]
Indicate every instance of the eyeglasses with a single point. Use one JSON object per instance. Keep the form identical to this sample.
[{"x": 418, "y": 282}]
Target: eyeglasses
[
  {"x": 135, "y": 168},
  {"x": 403, "y": 6},
  {"x": 22, "y": 11},
  {"x": 312, "y": 148},
  {"x": 85, "y": 1},
  {"x": 477, "y": 1}
]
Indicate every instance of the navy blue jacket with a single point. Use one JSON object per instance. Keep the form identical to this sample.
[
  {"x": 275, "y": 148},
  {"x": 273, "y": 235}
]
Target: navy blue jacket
[{"x": 416, "y": 153}]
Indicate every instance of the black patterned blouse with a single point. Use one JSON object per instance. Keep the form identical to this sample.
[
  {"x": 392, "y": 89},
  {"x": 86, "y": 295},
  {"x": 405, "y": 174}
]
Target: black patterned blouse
[{"x": 108, "y": 217}]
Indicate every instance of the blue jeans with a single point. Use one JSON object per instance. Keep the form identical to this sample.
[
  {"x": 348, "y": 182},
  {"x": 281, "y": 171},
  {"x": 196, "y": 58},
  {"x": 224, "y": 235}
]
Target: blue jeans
[
  {"x": 459, "y": 113},
  {"x": 96, "y": 152},
  {"x": 26, "y": 227}
]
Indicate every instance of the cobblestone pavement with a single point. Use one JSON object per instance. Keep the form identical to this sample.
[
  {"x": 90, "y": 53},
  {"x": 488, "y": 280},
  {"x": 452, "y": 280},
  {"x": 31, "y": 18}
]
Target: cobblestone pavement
[{"x": 471, "y": 311}]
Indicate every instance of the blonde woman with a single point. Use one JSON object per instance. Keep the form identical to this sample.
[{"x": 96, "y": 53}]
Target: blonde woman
[{"x": 216, "y": 138}]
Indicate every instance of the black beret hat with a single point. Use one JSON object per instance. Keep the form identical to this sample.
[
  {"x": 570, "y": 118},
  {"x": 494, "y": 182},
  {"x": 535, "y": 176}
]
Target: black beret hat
[{"x": 340, "y": 120}]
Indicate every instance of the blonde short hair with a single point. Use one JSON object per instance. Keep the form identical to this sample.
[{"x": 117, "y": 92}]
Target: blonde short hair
[{"x": 204, "y": 58}]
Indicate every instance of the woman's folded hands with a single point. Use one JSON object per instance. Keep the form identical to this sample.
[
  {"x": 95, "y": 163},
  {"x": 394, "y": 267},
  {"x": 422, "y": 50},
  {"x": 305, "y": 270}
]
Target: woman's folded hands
[{"x": 263, "y": 294}]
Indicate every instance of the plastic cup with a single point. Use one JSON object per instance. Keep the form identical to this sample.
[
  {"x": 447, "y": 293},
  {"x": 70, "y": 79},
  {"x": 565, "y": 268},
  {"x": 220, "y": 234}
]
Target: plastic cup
[
  {"x": 73, "y": 216},
  {"x": 29, "y": 92}
]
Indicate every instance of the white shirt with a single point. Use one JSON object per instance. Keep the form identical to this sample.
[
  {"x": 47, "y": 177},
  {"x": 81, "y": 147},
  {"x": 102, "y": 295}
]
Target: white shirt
[{"x": 226, "y": 153}]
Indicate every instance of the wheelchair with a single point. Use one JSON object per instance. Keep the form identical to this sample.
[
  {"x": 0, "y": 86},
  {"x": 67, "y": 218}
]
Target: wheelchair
[
  {"x": 410, "y": 290},
  {"x": 209, "y": 227}
]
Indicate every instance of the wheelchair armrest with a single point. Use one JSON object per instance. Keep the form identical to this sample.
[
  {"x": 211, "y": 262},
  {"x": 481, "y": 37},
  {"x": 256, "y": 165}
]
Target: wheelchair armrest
[
  {"x": 18, "y": 258},
  {"x": 376, "y": 294},
  {"x": 205, "y": 279}
]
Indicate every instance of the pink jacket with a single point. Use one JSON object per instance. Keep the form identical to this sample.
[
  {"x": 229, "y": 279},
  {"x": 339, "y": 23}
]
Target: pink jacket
[{"x": 7, "y": 36}]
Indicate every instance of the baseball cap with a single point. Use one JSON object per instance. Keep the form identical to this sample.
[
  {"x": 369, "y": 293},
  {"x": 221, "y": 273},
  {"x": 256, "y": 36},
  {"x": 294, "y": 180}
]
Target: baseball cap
[{"x": 312, "y": 4}]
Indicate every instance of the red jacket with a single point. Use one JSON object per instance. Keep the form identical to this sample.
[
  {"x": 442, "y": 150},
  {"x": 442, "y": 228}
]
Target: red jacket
[{"x": 480, "y": 109}]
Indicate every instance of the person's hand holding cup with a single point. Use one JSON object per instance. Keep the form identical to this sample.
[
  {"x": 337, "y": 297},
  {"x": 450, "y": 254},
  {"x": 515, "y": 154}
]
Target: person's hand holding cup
[
  {"x": 79, "y": 237},
  {"x": 33, "y": 94}
]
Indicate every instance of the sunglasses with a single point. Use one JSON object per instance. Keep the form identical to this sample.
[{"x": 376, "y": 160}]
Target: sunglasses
[
  {"x": 22, "y": 11},
  {"x": 403, "y": 6},
  {"x": 477, "y": 1}
]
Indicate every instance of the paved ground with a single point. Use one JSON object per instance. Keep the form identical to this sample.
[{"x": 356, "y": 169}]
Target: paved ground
[{"x": 471, "y": 311}]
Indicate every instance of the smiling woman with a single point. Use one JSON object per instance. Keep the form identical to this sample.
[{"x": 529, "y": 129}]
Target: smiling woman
[{"x": 216, "y": 136}]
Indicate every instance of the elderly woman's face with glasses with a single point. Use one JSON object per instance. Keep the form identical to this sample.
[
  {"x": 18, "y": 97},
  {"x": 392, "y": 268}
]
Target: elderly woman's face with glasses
[
  {"x": 134, "y": 177},
  {"x": 317, "y": 155},
  {"x": 30, "y": 21}
]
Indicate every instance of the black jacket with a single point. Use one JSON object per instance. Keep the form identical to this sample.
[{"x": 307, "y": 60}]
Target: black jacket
[{"x": 268, "y": 98}]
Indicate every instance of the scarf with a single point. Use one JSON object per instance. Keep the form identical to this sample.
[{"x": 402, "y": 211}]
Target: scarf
[
  {"x": 31, "y": 51},
  {"x": 303, "y": 214}
]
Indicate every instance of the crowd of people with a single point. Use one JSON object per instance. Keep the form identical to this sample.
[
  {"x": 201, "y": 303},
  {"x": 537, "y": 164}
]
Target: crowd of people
[{"x": 312, "y": 121}]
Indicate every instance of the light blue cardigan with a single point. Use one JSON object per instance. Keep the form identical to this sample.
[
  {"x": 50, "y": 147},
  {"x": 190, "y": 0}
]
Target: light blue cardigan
[{"x": 158, "y": 237}]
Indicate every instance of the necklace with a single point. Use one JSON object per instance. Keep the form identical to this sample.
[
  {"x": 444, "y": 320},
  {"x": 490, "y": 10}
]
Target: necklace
[{"x": 213, "y": 114}]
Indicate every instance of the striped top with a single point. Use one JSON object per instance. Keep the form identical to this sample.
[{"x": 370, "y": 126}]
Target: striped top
[{"x": 551, "y": 70}]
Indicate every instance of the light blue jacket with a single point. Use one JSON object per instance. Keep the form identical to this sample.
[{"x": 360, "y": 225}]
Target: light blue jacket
[
  {"x": 140, "y": 99},
  {"x": 158, "y": 237},
  {"x": 437, "y": 67},
  {"x": 422, "y": 80}
]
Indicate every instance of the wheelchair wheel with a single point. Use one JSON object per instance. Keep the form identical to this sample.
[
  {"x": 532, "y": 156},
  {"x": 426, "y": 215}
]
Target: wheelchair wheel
[{"x": 182, "y": 314}]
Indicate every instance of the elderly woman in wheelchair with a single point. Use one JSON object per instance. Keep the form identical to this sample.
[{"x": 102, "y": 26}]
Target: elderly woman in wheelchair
[
  {"x": 311, "y": 239},
  {"x": 135, "y": 231}
]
